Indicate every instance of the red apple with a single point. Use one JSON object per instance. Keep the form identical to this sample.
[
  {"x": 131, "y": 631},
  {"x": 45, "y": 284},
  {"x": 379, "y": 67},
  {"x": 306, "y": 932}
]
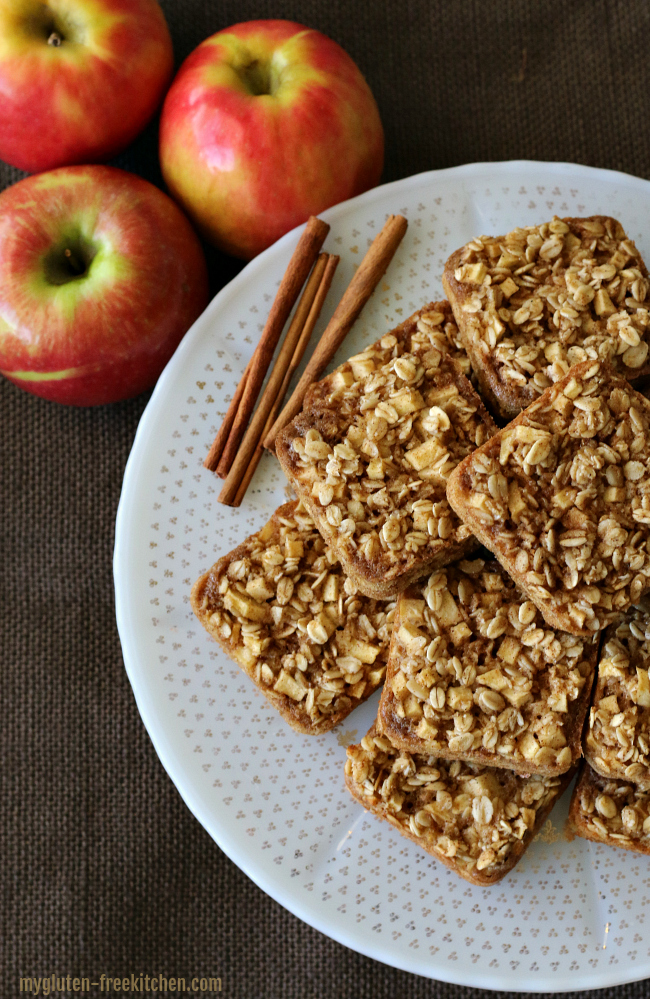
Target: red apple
[
  {"x": 266, "y": 123},
  {"x": 100, "y": 276},
  {"x": 79, "y": 79}
]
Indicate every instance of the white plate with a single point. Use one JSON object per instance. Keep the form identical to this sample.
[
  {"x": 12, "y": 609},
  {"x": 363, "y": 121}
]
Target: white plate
[{"x": 572, "y": 915}]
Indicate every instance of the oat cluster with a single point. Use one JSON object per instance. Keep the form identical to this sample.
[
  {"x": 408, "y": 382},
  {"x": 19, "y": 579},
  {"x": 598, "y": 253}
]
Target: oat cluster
[
  {"x": 535, "y": 302},
  {"x": 611, "y": 811},
  {"x": 617, "y": 741},
  {"x": 477, "y": 820},
  {"x": 562, "y": 496},
  {"x": 282, "y": 607},
  {"x": 376, "y": 441},
  {"x": 474, "y": 673}
]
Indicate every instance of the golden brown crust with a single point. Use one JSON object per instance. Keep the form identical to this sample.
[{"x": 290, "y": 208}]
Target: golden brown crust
[
  {"x": 613, "y": 812},
  {"x": 474, "y": 675},
  {"x": 561, "y": 496},
  {"x": 371, "y": 450},
  {"x": 281, "y": 607},
  {"x": 617, "y": 737},
  {"x": 503, "y": 401},
  {"x": 478, "y": 821},
  {"x": 532, "y": 303}
]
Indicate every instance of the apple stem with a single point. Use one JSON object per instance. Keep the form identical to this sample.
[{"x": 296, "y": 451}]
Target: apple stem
[
  {"x": 75, "y": 265},
  {"x": 55, "y": 39}
]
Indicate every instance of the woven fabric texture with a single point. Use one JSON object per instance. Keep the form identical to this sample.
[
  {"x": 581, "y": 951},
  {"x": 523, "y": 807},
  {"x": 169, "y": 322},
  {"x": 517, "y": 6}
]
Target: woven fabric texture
[{"x": 104, "y": 869}]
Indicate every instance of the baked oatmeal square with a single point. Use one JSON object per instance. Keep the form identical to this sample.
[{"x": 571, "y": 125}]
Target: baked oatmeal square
[
  {"x": 478, "y": 821},
  {"x": 613, "y": 812},
  {"x": 561, "y": 496},
  {"x": 617, "y": 739},
  {"x": 531, "y": 304},
  {"x": 282, "y": 608},
  {"x": 371, "y": 452},
  {"x": 475, "y": 674}
]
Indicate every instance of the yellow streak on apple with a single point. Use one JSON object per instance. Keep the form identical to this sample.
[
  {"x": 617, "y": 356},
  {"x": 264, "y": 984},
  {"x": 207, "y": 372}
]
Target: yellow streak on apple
[{"x": 51, "y": 376}]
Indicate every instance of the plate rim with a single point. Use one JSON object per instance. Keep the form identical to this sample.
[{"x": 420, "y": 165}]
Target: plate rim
[{"x": 170, "y": 759}]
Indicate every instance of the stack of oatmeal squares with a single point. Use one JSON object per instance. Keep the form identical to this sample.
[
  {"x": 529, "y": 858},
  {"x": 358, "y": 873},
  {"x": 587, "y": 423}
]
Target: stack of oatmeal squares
[{"x": 485, "y": 575}]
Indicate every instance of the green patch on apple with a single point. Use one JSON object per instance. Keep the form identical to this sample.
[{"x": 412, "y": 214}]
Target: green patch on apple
[{"x": 101, "y": 275}]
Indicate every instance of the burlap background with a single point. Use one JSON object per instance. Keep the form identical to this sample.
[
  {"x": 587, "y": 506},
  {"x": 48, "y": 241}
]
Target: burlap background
[{"x": 102, "y": 867}]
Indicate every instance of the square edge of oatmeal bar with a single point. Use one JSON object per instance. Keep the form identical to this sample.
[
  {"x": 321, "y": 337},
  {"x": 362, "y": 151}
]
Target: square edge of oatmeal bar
[
  {"x": 501, "y": 401},
  {"x": 507, "y": 401},
  {"x": 596, "y": 752},
  {"x": 460, "y": 498},
  {"x": 401, "y": 732},
  {"x": 370, "y": 575},
  {"x": 590, "y": 781},
  {"x": 483, "y": 878},
  {"x": 291, "y": 711}
]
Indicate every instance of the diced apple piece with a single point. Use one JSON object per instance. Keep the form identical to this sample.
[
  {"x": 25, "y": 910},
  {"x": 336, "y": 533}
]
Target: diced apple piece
[
  {"x": 564, "y": 500},
  {"x": 411, "y": 610},
  {"x": 516, "y": 502},
  {"x": 407, "y": 401},
  {"x": 331, "y": 589},
  {"x": 508, "y": 287},
  {"x": 342, "y": 379},
  {"x": 326, "y": 621},
  {"x": 412, "y": 708},
  {"x": 459, "y": 698},
  {"x": 495, "y": 679},
  {"x": 266, "y": 532},
  {"x": 552, "y": 736},
  {"x": 362, "y": 366},
  {"x": 426, "y": 730},
  {"x": 484, "y": 784},
  {"x": 294, "y": 548},
  {"x": 286, "y": 684},
  {"x": 473, "y": 273},
  {"x": 256, "y": 644},
  {"x": 259, "y": 589},
  {"x": 643, "y": 688},
  {"x": 357, "y": 435},
  {"x": 364, "y": 651},
  {"x": 244, "y": 606},
  {"x": 398, "y": 686},
  {"x": 509, "y": 260},
  {"x": 516, "y": 696},
  {"x": 509, "y": 650},
  {"x": 425, "y": 454},
  {"x": 421, "y": 519},
  {"x": 411, "y": 638},
  {"x": 441, "y": 396},
  {"x": 528, "y": 746},
  {"x": 609, "y": 705},
  {"x": 460, "y": 632},
  {"x": 448, "y": 613},
  {"x": 603, "y": 304},
  {"x": 558, "y": 702},
  {"x": 562, "y": 405},
  {"x": 358, "y": 689}
]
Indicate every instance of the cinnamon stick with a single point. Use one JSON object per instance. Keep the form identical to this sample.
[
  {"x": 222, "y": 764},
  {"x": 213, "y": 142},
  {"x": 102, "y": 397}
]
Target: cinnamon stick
[
  {"x": 371, "y": 269},
  {"x": 289, "y": 358},
  {"x": 284, "y": 356},
  {"x": 295, "y": 276},
  {"x": 214, "y": 454},
  {"x": 257, "y": 454}
]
